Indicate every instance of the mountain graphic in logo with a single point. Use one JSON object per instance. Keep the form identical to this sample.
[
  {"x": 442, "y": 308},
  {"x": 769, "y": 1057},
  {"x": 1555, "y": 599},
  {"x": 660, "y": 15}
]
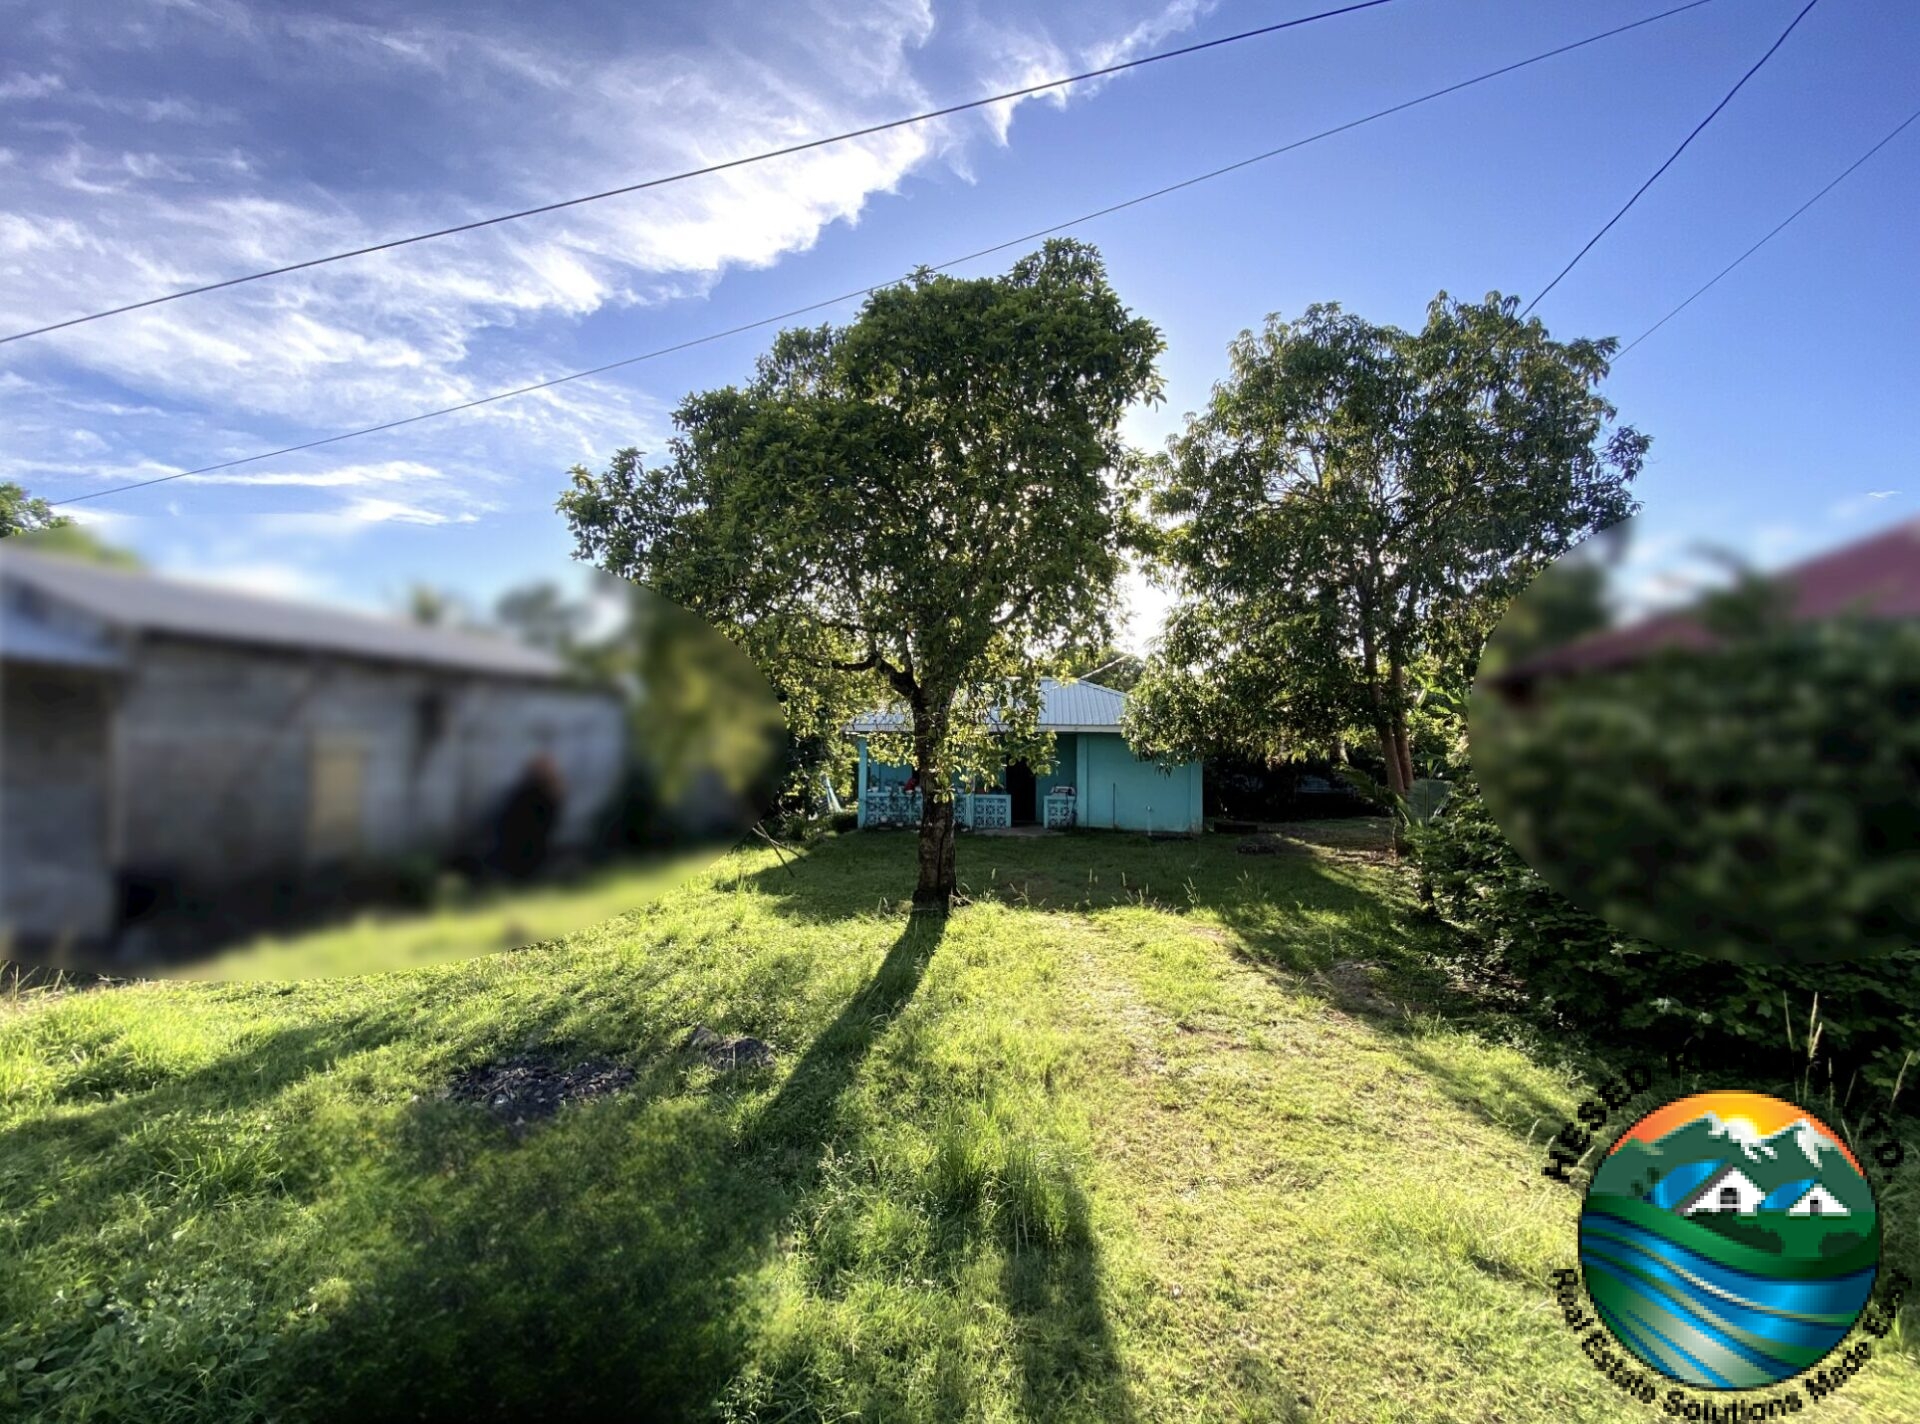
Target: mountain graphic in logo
[{"x": 1729, "y": 1240}]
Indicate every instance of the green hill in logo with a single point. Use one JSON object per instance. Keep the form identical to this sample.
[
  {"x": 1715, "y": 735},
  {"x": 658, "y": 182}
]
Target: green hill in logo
[{"x": 1724, "y": 1257}]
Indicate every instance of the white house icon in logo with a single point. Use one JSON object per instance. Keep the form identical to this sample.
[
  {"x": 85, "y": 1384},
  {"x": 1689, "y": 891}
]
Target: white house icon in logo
[
  {"x": 1732, "y": 1190},
  {"x": 1728, "y": 1189}
]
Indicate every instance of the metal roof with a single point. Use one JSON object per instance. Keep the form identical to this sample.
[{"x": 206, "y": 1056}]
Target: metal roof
[
  {"x": 24, "y": 639},
  {"x": 1878, "y": 576},
  {"x": 1080, "y": 706},
  {"x": 150, "y": 604}
]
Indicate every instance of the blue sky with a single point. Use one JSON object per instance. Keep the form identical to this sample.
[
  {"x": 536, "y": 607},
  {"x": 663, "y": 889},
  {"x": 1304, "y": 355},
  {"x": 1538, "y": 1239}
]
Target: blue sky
[{"x": 158, "y": 143}]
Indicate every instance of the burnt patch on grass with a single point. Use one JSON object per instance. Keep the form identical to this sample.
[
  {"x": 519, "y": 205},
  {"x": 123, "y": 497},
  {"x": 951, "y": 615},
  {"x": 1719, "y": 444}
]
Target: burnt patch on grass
[{"x": 528, "y": 1088}]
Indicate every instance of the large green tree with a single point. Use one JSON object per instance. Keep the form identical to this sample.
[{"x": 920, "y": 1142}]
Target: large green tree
[
  {"x": 1349, "y": 514},
  {"x": 918, "y": 507}
]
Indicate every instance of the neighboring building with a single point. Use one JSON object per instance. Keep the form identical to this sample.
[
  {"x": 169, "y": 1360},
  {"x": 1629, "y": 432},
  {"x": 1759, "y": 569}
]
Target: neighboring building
[
  {"x": 1877, "y": 577},
  {"x": 1094, "y": 781},
  {"x": 156, "y": 731},
  {"x": 1728, "y": 1189}
]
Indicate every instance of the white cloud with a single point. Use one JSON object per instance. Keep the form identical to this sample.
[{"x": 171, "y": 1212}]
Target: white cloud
[
  {"x": 338, "y": 477},
  {"x": 503, "y": 113},
  {"x": 271, "y": 580},
  {"x": 30, "y": 86},
  {"x": 1867, "y": 501}
]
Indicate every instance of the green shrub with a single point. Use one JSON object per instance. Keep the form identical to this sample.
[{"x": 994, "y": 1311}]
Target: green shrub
[
  {"x": 1759, "y": 800},
  {"x": 1515, "y": 927}
]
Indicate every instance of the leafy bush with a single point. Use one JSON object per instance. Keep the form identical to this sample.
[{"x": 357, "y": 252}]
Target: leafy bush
[
  {"x": 1756, "y": 800},
  {"x": 1514, "y": 926}
]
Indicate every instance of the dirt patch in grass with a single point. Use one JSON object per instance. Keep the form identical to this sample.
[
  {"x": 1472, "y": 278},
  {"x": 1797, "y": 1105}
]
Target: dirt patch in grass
[
  {"x": 729, "y": 1053},
  {"x": 1270, "y": 843},
  {"x": 527, "y": 1089}
]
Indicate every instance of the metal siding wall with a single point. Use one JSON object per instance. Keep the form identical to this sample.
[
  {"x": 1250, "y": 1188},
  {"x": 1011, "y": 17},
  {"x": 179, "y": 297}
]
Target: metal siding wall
[
  {"x": 220, "y": 744},
  {"x": 54, "y": 876}
]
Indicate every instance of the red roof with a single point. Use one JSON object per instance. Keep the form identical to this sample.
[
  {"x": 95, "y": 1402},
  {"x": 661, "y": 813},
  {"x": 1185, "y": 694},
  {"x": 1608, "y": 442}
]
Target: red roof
[{"x": 1878, "y": 576}]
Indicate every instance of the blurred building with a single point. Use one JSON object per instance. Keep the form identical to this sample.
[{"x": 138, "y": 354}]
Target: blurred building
[
  {"x": 1875, "y": 577},
  {"x": 158, "y": 733}
]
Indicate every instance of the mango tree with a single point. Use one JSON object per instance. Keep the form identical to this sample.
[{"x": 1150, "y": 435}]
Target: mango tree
[
  {"x": 916, "y": 510},
  {"x": 1351, "y": 511}
]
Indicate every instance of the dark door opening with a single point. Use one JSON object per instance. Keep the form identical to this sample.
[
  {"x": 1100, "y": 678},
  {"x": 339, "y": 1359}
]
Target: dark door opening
[{"x": 1024, "y": 791}]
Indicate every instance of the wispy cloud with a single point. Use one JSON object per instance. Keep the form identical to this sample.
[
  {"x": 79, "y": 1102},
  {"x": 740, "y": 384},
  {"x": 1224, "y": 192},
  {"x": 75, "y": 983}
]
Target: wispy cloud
[
  {"x": 30, "y": 86},
  {"x": 326, "y": 134},
  {"x": 1868, "y": 501}
]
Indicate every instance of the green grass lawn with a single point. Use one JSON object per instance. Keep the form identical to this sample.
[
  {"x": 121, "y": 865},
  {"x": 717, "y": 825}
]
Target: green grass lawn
[{"x": 1130, "y": 1136}]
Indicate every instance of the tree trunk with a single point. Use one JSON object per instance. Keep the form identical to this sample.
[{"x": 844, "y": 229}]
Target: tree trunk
[
  {"x": 1391, "y": 749},
  {"x": 1402, "y": 739},
  {"x": 938, "y": 880}
]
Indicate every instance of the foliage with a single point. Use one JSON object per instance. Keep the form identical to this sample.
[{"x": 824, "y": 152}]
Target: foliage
[
  {"x": 1352, "y": 509},
  {"x": 44, "y": 531},
  {"x": 1517, "y": 928},
  {"x": 1756, "y": 799},
  {"x": 433, "y": 607},
  {"x": 73, "y": 540},
  {"x": 916, "y": 510},
  {"x": 22, "y": 513},
  {"x": 542, "y": 616},
  {"x": 1106, "y": 664}
]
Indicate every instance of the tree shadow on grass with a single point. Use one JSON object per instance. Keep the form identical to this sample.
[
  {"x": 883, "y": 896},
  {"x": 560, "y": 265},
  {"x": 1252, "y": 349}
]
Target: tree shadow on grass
[
  {"x": 611, "y": 1265},
  {"x": 97, "y": 1149},
  {"x": 624, "y": 1261},
  {"x": 636, "y": 1258},
  {"x": 1069, "y": 1360},
  {"x": 800, "y": 1117}
]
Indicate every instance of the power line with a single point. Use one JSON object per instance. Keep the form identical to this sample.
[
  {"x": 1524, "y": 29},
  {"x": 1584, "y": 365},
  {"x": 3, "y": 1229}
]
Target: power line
[
  {"x": 1671, "y": 157},
  {"x": 1777, "y": 230},
  {"x": 868, "y": 291},
  {"x": 711, "y": 168}
]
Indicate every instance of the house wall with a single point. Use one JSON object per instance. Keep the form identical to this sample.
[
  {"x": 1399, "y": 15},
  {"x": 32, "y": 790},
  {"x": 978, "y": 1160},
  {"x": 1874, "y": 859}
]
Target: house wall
[
  {"x": 237, "y": 762},
  {"x": 1115, "y": 790},
  {"x": 55, "y": 878},
  {"x": 1064, "y": 770},
  {"x": 1119, "y": 791},
  {"x": 1066, "y": 766}
]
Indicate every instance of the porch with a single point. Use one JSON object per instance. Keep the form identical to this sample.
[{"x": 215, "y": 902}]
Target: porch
[{"x": 889, "y": 805}]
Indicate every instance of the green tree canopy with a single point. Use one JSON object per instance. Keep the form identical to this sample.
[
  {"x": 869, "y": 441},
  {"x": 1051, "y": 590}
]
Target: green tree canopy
[
  {"x": 1106, "y": 664},
  {"x": 542, "y": 616},
  {"x": 50, "y": 533},
  {"x": 916, "y": 509},
  {"x": 21, "y": 513},
  {"x": 1346, "y": 518}
]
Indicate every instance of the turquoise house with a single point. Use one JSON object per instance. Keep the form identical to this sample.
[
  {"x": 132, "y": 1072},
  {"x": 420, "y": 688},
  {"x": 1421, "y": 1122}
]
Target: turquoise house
[{"x": 1095, "y": 781}]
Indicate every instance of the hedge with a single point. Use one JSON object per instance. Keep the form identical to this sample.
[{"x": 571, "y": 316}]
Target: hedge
[
  {"x": 1758, "y": 801},
  {"x": 1512, "y": 925}
]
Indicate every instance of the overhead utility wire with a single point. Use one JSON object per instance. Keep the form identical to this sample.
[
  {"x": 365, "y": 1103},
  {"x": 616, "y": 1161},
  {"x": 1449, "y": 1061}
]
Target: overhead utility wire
[
  {"x": 868, "y": 291},
  {"x": 1777, "y": 230},
  {"x": 711, "y": 168},
  {"x": 1670, "y": 158}
]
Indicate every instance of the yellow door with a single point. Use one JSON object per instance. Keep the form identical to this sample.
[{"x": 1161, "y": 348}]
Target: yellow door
[{"x": 338, "y": 770}]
